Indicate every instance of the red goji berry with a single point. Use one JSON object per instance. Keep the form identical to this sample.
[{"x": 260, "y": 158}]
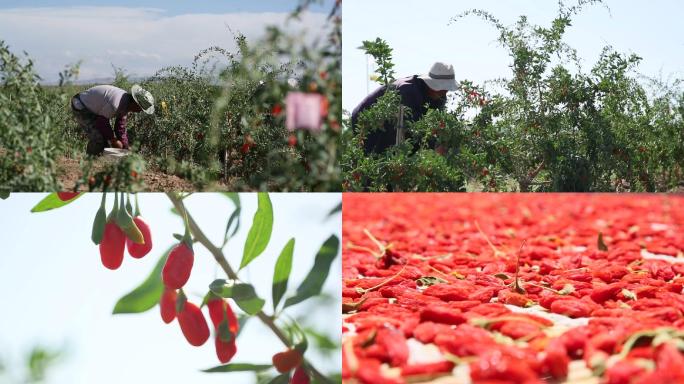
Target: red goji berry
[
  {"x": 225, "y": 350},
  {"x": 112, "y": 246},
  {"x": 139, "y": 250},
  {"x": 178, "y": 266},
  {"x": 287, "y": 360},
  {"x": 193, "y": 324},
  {"x": 292, "y": 141},
  {"x": 300, "y": 376},
  {"x": 571, "y": 308},
  {"x": 555, "y": 360},
  {"x": 167, "y": 305},
  {"x": 219, "y": 311},
  {"x": 66, "y": 196}
]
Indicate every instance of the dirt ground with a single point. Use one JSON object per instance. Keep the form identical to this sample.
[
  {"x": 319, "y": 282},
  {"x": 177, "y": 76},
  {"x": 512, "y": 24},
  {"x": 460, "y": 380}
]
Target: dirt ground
[{"x": 69, "y": 171}]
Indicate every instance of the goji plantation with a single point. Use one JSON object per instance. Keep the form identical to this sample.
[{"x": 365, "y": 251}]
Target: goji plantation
[{"x": 503, "y": 288}]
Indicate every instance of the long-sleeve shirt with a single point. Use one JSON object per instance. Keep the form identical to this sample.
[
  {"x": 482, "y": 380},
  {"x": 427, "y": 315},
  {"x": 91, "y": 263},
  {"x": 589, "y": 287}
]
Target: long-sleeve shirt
[
  {"x": 414, "y": 95},
  {"x": 107, "y": 102}
]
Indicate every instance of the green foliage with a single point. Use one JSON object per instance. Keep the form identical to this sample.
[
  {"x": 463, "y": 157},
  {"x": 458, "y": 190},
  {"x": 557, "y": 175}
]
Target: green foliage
[
  {"x": 244, "y": 294},
  {"x": 39, "y": 361},
  {"x": 282, "y": 271},
  {"x": 146, "y": 296},
  {"x": 382, "y": 53},
  {"x": 221, "y": 119},
  {"x": 260, "y": 233},
  {"x": 52, "y": 201},
  {"x": 28, "y": 145},
  {"x": 314, "y": 280},
  {"x": 550, "y": 126}
]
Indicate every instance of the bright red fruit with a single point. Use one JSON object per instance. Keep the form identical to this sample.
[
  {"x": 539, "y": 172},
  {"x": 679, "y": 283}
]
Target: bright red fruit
[
  {"x": 292, "y": 140},
  {"x": 300, "y": 376},
  {"x": 220, "y": 310},
  {"x": 225, "y": 350},
  {"x": 193, "y": 324},
  {"x": 178, "y": 266},
  {"x": 140, "y": 250},
  {"x": 112, "y": 246},
  {"x": 287, "y": 360},
  {"x": 167, "y": 305},
  {"x": 66, "y": 196}
]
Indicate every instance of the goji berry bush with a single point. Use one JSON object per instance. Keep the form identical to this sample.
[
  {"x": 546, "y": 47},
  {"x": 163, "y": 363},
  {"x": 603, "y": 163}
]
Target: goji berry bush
[
  {"x": 550, "y": 125},
  {"x": 513, "y": 288},
  {"x": 263, "y": 117},
  {"x": 230, "y": 301}
]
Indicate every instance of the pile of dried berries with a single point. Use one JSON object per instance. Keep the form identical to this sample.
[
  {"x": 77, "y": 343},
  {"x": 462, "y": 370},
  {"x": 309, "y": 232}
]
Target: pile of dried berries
[{"x": 513, "y": 288}]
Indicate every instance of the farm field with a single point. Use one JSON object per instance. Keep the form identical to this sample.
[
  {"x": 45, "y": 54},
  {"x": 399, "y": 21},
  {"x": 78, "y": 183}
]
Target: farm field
[
  {"x": 552, "y": 120},
  {"x": 232, "y": 120},
  {"x": 512, "y": 288}
]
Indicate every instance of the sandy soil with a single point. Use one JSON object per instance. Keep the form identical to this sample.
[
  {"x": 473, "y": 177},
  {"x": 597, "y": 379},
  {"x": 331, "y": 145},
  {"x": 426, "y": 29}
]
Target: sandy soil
[{"x": 69, "y": 171}]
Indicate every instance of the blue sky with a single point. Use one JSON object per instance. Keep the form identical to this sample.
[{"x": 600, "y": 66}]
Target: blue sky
[
  {"x": 56, "y": 293},
  {"x": 178, "y": 6},
  {"x": 141, "y": 36},
  {"x": 419, "y": 34}
]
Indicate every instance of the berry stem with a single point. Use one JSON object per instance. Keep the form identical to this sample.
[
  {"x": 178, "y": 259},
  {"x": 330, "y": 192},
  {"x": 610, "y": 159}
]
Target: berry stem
[{"x": 220, "y": 258}]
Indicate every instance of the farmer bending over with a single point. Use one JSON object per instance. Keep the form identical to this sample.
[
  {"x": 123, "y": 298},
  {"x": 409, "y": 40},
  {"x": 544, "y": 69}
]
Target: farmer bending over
[
  {"x": 94, "y": 107},
  {"x": 416, "y": 92}
]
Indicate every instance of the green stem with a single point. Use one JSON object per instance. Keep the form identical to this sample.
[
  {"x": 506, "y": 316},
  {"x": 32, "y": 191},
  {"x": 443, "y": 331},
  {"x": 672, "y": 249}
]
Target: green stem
[
  {"x": 220, "y": 258},
  {"x": 137, "y": 207}
]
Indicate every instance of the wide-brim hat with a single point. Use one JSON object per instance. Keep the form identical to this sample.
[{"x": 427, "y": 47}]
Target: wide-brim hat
[
  {"x": 144, "y": 99},
  {"x": 441, "y": 77}
]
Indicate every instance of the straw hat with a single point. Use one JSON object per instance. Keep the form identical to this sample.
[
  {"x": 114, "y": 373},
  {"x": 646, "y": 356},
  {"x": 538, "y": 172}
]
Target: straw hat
[
  {"x": 441, "y": 77},
  {"x": 143, "y": 98}
]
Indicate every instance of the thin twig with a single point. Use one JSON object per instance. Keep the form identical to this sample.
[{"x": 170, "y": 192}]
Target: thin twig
[
  {"x": 497, "y": 253},
  {"x": 220, "y": 258}
]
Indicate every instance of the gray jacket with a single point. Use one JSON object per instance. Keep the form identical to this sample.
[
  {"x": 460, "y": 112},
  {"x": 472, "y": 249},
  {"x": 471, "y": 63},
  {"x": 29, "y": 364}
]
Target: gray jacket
[{"x": 103, "y": 100}]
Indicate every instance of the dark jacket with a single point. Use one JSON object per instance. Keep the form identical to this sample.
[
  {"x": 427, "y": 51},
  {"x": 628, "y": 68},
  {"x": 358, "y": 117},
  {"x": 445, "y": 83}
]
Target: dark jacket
[{"x": 414, "y": 95}]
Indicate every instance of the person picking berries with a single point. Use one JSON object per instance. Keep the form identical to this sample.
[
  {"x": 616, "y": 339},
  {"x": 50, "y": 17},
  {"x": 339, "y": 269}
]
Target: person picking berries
[
  {"x": 95, "y": 107},
  {"x": 418, "y": 92}
]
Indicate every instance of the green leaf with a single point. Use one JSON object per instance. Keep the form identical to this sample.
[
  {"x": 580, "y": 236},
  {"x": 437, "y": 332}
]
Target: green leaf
[
  {"x": 313, "y": 283},
  {"x": 338, "y": 208},
  {"x": 234, "y": 197},
  {"x": 4, "y": 194},
  {"x": 244, "y": 294},
  {"x": 147, "y": 294},
  {"x": 281, "y": 379},
  {"x": 260, "y": 233},
  {"x": 99, "y": 222},
  {"x": 235, "y": 217},
  {"x": 238, "y": 367},
  {"x": 282, "y": 271},
  {"x": 52, "y": 201}
]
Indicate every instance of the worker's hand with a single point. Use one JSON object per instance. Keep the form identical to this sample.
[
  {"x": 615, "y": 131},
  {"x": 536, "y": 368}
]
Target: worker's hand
[{"x": 116, "y": 143}]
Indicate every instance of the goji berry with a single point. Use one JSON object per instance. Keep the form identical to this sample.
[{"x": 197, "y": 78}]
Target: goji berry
[
  {"x": 193, "y": 324},
  {"x": 287, "y": 360},
  {"x": 225, "y": 350},
  {"x": 66, "y": 196},
  {"x": 178, "y": 266},
  {"x": 167, "y": 305},
  {"x": 300, "y": 376},
  {"x": 139, "y": 250},
  {"x": 112, "y": 246},
  {"x": 219, "y": 311},
  {"x": 292, "y": 141},
  {"x": 571, "y": 308}
]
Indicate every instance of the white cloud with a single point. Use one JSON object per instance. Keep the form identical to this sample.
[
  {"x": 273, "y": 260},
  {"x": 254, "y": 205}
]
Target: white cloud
[{"x": 141, "y": 40}]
